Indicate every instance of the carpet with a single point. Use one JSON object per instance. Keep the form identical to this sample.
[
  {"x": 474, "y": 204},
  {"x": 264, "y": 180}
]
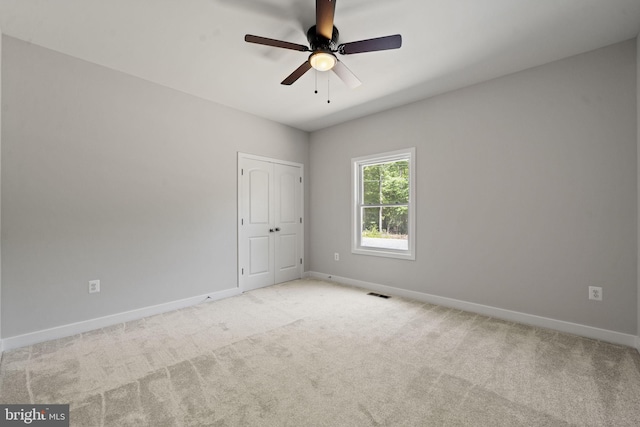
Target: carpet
[{"x": 314, "y": 353}]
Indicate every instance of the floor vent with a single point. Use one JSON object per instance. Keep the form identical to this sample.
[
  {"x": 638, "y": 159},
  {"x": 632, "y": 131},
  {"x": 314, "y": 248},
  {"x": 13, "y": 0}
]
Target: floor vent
[{"x": 378, "y": 295}]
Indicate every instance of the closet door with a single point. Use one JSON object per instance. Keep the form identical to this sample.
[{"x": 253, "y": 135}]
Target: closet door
[
  {"x": 256, "y": 230},
  {"x": 288, "y": 258},
  {"x": 270, "y": 222}
]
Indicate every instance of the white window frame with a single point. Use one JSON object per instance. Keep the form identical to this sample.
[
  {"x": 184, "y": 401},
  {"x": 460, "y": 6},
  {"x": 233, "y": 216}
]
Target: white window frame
[{"x": 356, "y": 206}]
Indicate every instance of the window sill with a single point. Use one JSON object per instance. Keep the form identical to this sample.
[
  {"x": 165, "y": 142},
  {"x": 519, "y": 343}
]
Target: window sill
[{"x": 385, "y": 253}]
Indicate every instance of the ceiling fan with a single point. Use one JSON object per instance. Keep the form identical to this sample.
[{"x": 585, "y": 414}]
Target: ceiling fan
[{"x": 323, "y": 41}]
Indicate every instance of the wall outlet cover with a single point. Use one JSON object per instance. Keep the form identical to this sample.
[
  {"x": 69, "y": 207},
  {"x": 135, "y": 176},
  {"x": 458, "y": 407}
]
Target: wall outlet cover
[
  {"x": 94, "y": 286},
  {"x": 595, "y": 293}
]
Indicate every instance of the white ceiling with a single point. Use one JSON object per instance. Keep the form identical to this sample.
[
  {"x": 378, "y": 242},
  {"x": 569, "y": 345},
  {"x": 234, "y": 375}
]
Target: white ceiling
[{"x": 197, "y": 46}]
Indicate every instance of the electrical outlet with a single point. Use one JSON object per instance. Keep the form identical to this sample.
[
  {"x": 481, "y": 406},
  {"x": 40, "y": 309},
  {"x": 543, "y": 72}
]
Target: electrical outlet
[
  {"x": 336, "y": 256},
  {"x": 94, "y": 286},
  {"x": 595, "y": 293}
]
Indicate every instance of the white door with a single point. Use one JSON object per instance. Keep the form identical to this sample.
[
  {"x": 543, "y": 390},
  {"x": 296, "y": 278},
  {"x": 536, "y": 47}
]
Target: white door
[
  {"x": 256, "y": 230},
  {"x": 288, "y": 222},
  {"x": 270, "y": 222}
]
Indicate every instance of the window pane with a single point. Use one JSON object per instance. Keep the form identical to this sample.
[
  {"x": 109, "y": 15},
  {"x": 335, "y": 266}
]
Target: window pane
[
  {"x": 385, "y": 227},
  {"x": 371, "y": 220},
  {"x": 372, "y": 185},
  {"x": 386, "y": 183}
]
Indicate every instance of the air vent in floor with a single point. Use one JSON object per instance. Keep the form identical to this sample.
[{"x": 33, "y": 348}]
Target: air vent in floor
[{"x": 378, "y": 295}]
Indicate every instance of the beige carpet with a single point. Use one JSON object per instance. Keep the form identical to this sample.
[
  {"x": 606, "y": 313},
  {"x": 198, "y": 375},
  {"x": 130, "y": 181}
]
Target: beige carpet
[{"x": 311, "y": 353}]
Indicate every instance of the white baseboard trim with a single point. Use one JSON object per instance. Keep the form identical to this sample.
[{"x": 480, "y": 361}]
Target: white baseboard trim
[
  {"x": 101, "y": 322},
  {"x": 498, "y": 313}
]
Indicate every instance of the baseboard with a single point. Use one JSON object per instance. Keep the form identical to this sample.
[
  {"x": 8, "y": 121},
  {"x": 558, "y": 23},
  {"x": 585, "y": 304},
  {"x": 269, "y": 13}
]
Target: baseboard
[
  {"x": 499, "y": 313},
  {"x": 101, "y": 322}
]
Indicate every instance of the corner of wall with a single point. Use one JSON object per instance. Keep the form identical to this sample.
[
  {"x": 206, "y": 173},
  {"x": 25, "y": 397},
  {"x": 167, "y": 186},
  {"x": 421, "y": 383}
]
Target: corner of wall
[
  {"x": 71, "y": 329},
  {"x": 614, "y": 337}
]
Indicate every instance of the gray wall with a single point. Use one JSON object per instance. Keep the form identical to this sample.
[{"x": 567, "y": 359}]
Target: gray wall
[
  {"x": 526, "y": 191},
  {"x": 106, "y": 176},
  {"x": 638, "y": 148}
]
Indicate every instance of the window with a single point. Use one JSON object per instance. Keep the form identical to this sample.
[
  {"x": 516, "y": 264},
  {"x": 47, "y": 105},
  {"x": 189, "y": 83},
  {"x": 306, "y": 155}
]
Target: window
[{"x": 384, "y": 204}]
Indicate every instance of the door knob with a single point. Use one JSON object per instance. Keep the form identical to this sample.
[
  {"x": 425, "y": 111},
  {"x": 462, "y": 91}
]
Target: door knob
[
  {"x": 277, "y": 229},
  {"x": 271, "y": 230}
]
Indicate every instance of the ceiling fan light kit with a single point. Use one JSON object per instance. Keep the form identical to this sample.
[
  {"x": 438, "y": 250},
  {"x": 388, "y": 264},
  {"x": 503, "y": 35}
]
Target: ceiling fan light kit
[
  {"x": 323, "y": 42},
  {"x": 322, "y": 61}
]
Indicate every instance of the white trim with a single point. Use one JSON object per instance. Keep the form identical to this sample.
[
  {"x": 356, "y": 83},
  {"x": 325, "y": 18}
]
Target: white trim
[
  {"x": 638, "y": 343},
  {"x": 269, "y": 159},
  {"x": 101, "y": 322},
  {"x": 356, "y": 216},
  {"x": 499, "y": 313}
]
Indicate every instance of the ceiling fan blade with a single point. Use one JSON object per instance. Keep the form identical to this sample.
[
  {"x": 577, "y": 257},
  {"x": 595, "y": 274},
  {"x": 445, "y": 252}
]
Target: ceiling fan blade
[
  {"x": 325, "y": 10},
  {"x": 275, "y": 43},
  {"x": 291, "y": 79},
  {"x": 371, "y": 45},
  {"x": 346, "y": 75}
]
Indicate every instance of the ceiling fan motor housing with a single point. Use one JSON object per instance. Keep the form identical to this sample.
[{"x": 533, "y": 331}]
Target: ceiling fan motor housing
[{"x": 319, "y": 43}]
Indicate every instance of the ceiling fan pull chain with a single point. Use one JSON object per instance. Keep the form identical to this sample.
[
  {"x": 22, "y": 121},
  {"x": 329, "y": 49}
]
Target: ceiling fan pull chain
[
  {"x": 316, "y": 76},
  {"x": 328, "y": 87}
]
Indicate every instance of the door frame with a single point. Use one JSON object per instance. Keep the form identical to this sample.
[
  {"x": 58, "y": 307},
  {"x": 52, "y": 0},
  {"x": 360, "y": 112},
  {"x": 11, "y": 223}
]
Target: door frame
[{"x": 242, "y": 156}]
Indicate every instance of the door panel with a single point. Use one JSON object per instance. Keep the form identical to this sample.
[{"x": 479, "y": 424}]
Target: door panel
[
  {"x": 259, "y": 196},
  {"x": 259, "y": 255},
  {"x": 287, "y": 251},
  {"x": 287, "y": 196}
]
